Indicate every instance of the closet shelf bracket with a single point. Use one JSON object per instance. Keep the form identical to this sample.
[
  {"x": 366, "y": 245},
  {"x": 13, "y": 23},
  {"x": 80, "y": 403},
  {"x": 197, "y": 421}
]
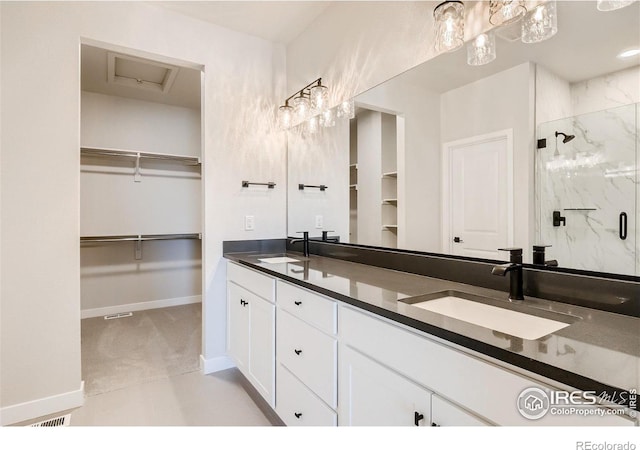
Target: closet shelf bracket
[{"x": 136, "y": 174}]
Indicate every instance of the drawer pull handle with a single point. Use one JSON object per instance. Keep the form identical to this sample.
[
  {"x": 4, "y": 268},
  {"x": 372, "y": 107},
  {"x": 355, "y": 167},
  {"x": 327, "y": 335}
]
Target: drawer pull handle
[
  {"x": 297, "y": 303},
  {"x": 297, "y": 351},
  {"x": 298, "y": 415},
  {"x": 243, "y": 303},
  {"x": 417, "y": 417},
  {"x": 433, "y": 424}
]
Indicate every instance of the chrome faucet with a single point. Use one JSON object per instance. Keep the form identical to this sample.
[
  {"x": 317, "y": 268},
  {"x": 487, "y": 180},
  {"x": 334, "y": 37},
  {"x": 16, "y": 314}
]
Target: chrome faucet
[
  {"x": 514, "y": 267},
  {"x": 305, "y": 242}
]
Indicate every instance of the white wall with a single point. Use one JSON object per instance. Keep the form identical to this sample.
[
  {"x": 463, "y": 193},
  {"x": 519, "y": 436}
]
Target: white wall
[
  {"x": 501, "y": 101},
  {"x": 322, "y": 158},
  {"x": 40, "y": 324}
]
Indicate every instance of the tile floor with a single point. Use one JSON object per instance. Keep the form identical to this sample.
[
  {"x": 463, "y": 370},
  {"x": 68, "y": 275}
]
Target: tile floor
[
  {"x": 217, "y": 399},
  {"x": 143, "y": 371}
]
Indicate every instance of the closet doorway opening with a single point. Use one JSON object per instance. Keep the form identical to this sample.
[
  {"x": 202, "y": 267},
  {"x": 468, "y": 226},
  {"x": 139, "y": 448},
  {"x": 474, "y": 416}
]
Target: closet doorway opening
[{"x": 141, "y": 219}]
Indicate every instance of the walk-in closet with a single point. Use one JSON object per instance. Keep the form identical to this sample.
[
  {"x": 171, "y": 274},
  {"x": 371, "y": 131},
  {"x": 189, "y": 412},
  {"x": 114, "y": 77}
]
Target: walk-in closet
[{"x": 140, "y": 218}]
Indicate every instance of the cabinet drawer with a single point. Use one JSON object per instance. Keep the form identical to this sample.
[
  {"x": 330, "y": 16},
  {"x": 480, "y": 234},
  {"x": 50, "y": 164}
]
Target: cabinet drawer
[
  {"x": 297, "y": 405},
  {"x": 308, "y": 306},
  {"x": 481, "y": 386},
  {"x": 253, "y": 281},
  {"x": 446, "y": 414},
  {"x": 309, "y": 354}
]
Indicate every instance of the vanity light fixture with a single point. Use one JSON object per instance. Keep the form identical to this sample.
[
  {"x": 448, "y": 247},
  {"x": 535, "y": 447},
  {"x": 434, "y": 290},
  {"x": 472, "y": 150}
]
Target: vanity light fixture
[
  {"x": 347, "y": 109},
  {"x": 502, "y": 12},
  {"x": 311, "y": 98},
  {"x": 328, "y": 118},
  {"x": 481, "y": 50},
  {"x": 449, "y": 26},
  {"x": 313, "y": 124},
  {"x": 540, "y": 24},
  {"x": 612, "y": 5}
]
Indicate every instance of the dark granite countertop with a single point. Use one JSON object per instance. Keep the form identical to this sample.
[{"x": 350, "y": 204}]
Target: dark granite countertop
[{"x": 599, "y": 351}]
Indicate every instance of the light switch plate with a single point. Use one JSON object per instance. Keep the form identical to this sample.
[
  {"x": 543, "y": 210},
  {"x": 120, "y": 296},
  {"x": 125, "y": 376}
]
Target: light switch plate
[
  {"x": 319, "y": 222},
  {"x": 249, "y": 223}
]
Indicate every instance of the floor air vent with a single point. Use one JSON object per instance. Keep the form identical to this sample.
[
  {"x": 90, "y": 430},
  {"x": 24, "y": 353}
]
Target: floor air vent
[
  {"x": 62, "y": 421},
  {"x": 118, "y": 315}
]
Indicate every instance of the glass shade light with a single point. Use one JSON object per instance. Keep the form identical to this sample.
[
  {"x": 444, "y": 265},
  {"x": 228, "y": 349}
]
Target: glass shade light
[
  {"x": 301, "y": 107},
  {"x": 481, "y": 50},
  {"x": 285, "y": 114},
  {"x": 611, "y": 5},
  {"x": 319, "y": 97},
  {"x": 328, "y": 118},
  {"x": 502, "y": 12},
  {"x": 313, "y": 124},
  {"x": 347, "y": 109},
  {"x": 540, "y": 24},
  {"x": 449, "y": 26}
]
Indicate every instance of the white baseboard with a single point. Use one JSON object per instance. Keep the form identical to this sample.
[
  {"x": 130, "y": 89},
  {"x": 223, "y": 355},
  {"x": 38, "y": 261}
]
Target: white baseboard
[
  {"x": 42, "y": 406},
  {"x": 152, "y": 304},
  {"x": 215, "y": 364}
]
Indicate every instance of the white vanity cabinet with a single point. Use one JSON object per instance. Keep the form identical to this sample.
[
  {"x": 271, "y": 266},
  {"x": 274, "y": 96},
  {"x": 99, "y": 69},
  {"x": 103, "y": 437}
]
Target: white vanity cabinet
[
  {"x": 487, "y": 393},
  {"x": 251, "y": 327},
  {"x": 374, "y": 395},
  {"x": 306, "y": 348}
]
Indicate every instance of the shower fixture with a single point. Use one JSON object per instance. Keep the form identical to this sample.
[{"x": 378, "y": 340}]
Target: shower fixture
[{"x": 566, "y": 137}]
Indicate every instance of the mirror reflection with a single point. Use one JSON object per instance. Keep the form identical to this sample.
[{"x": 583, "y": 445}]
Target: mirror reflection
[{"x": 537, "y": 147}]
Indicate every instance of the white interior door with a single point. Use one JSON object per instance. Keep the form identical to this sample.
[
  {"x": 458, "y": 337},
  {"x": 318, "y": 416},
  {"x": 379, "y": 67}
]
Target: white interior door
[{"x": 478, "y": 201}]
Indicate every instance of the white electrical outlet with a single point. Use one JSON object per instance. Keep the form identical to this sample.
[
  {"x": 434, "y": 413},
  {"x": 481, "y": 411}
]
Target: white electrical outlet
[
  {"x": 249, "y": 223},
  {"x": 319, "y": 222}
]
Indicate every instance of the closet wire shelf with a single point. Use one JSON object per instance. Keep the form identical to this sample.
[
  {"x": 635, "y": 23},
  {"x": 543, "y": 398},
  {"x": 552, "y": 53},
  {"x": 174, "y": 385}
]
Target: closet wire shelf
[
  {"x": 139, "y": 237},
  {"x": 112, "y": 152}
]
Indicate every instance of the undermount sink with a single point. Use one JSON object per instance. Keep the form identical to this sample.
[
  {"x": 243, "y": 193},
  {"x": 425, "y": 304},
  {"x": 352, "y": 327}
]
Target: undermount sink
[
  {"x": 278, "y": 260},
  {"x": 487, "y": 313}
]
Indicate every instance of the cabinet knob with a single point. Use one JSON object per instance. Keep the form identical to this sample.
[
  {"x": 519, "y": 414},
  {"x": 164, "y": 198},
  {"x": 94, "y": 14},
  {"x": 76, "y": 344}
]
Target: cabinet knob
[
  {"x": 297, "y": 351},
  {"x": 298, "y": 415},
  {"x": 243, "y": 303},
  {"x": 433, "y": 424},
  {"x": 417, "y": 417},
  {"x": 297, "y": 303}
]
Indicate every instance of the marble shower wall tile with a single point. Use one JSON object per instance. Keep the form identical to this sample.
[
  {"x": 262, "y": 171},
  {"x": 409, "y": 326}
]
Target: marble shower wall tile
[
  {"x": 597, "y": 171},
  {"x": 606, "y": 92}
]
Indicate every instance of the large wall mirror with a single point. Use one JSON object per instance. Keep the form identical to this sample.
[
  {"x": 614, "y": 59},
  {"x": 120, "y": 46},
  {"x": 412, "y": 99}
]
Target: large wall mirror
[{"x": 539, "y": 147}]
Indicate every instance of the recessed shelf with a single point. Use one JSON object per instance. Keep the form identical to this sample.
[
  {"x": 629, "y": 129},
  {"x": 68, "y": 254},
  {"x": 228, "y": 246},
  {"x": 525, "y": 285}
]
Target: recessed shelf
[{"x": 390, "y": 175}]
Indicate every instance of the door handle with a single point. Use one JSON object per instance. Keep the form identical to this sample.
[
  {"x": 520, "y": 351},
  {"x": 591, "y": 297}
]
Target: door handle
[
  {"x": 457, "y": 239},
  {"x": 297, "y": 352},
  {"x": 297, "y": 303},
  {"x": 623, "y": 225},
  {"x": 417, "y": 417}
]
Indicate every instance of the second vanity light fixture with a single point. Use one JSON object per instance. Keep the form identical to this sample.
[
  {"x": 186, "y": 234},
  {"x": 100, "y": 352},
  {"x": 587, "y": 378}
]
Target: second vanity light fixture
[
  {"x": 537, "y": 25},
  {"x": 311, "y": 105}
]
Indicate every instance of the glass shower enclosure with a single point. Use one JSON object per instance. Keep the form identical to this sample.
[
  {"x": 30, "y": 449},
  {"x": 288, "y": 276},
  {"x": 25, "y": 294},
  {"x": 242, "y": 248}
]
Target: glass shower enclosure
[{"x": 587, "y": 190}]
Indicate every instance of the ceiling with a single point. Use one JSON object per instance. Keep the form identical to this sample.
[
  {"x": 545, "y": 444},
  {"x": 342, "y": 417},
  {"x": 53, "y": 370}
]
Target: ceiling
[{"x": 276, "y": 21}]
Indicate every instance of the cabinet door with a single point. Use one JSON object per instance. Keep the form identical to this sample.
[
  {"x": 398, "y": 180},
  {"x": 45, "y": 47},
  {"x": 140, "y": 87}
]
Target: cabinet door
[
  {"x": 373, "y": 395},
  {"x": 445, "y": 414},
  {"x": 238, "y": 326},
  {"x": 262, "y": 347}
]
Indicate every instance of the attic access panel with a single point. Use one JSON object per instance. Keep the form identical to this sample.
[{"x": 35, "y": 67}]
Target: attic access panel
[{"x": 140, "y": 73}]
